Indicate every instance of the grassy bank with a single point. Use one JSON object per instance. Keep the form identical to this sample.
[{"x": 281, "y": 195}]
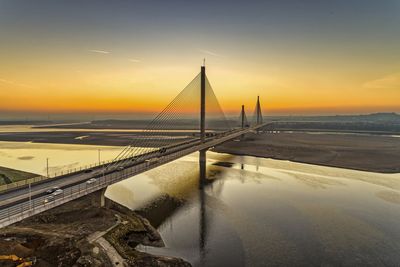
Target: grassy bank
[{"x": 10, "y": 175}]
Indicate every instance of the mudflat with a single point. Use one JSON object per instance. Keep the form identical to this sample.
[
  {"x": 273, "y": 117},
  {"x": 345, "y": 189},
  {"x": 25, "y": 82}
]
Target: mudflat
[
  {"x": 374, "y": 153},
  {"x": 106, "y": 138}
]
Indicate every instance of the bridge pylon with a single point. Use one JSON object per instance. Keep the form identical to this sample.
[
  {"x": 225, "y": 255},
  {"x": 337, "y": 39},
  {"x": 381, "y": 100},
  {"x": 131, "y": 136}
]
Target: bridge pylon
[
  {"x": 243, "y": 121},
  {"x": 202, "y": 156},
  {"x": 242, "y": 117},
  {"x": 203, "y": 104},
  {"x": 259, "y": 118}
]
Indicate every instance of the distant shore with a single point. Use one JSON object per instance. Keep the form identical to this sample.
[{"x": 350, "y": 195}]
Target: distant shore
[{"x": 359, "y": 152}]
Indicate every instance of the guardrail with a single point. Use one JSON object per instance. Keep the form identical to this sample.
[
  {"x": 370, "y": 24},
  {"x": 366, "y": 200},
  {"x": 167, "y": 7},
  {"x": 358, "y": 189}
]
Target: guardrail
[{"x": 41, "y": 178}]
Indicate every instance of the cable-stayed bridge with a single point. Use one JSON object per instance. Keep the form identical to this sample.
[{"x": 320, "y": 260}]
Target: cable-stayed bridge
[{"x": 195, "y": 107}]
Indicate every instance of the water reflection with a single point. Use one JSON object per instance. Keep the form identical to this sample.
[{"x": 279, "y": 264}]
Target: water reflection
[
  {"x": 258, "y": 212},
  {"x": 203, "y": 224},
  {"x": 31, "y": 157}
]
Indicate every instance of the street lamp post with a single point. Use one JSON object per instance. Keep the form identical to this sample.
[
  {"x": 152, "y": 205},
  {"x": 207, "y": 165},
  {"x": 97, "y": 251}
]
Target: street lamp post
[
  {"x": 30, "y": 197},
  {"x": 47, "y": 167}
]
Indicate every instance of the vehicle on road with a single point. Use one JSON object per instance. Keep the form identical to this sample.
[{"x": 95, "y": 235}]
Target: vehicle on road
[
  {"x": 91, "y": 181},
  {"x": 52, "y": 190},
  {"x": 58, "y": 192},
  {"x": 121, "y": 168},
  {"x": 152, "y": 161},
  {"x": 88, "y": 171},
  {"x": 48, "y": 199}
]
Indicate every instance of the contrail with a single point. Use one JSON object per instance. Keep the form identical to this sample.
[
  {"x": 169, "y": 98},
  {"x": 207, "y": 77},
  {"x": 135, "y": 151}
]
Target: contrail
[{"x": 99, "y": 51}]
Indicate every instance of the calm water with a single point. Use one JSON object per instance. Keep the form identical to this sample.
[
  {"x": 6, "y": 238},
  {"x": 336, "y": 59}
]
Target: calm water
[
  {"x": 31, "y": 157},
  {"x": 262, "y": 212}
]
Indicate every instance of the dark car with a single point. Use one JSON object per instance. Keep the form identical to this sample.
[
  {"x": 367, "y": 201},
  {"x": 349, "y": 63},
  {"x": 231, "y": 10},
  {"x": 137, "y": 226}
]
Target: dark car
[{"x": 52, "y": 190}]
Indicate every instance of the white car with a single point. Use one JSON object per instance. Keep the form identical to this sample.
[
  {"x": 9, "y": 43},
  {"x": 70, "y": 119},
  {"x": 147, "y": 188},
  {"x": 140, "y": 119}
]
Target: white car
[
  {"x": 91, "y": 181},
  {"x": 152, "y": 160},
  {"x": 58, "y": 192}
]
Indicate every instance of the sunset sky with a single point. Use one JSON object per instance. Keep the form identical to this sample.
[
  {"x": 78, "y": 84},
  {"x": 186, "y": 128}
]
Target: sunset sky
[{"x": 301, "y": 57}]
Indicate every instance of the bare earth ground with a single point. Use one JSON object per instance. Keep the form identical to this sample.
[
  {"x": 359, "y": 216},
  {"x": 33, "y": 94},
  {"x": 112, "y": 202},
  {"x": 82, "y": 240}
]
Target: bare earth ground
[
  {"x": 360, "y": 152},
  {"x": 81, "y": 233}
]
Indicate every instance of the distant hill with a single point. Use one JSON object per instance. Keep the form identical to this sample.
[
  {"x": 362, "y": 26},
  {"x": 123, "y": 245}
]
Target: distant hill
[
  {"x": 378, "y": 117},
  {"x": 374, "y": 117},
  {"x": 22, "y": 122},
  {"x": 372, "y": 123}
]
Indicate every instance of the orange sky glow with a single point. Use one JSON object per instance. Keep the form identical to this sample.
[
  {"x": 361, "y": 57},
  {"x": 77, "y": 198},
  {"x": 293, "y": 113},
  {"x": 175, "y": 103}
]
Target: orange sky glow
[{"x": 303, "y": 63}]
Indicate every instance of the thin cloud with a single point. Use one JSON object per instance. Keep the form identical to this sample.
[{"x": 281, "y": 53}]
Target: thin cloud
[
  {"x": 5, "y": 81},
  {"x": 134, "y": 60},
  {"x": 208, "y": 52},
  {"x": 15, "y": 83},
  {"x": 99, "y": 51},
  {"x": 391, "y": 81}
]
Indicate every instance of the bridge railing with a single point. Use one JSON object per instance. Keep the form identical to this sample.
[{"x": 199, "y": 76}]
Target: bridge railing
[{"x": 42, "y": 178}]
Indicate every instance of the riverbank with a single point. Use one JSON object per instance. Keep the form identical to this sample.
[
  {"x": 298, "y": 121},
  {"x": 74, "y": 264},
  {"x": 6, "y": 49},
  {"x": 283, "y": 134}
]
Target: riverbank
[
  {"x": 359, "y": 152},
  {"x": 81, "y": 233},
  {"x": 8, "y": 175}
]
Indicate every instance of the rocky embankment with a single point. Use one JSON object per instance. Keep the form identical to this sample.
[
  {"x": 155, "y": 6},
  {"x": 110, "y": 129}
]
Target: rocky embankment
[{"x": 81, "y": 233}]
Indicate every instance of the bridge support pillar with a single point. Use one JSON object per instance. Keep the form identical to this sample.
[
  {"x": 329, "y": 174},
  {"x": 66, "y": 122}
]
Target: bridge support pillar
[{"x": 103, "y": 197}]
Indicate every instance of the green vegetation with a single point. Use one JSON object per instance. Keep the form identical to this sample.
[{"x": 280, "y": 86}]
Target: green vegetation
[{"x": 10, "y": 175}]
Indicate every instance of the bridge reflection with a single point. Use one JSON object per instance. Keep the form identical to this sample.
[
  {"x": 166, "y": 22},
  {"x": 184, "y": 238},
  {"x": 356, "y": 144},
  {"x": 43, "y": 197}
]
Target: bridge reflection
[
  {"x": 161, "y": 210},
  {"x": 202, "y": 200}
]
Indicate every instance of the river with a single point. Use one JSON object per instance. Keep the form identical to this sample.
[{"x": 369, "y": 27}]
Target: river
[
  {"x": 251, "y": 211},
  {"x": 264, "y": 212}
]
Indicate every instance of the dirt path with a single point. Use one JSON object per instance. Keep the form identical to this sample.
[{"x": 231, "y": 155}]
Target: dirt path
[{"x": 97, "y": 238}]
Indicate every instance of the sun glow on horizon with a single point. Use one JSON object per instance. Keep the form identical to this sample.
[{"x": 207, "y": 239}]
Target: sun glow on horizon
[{"x": 56, "y": 64}]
